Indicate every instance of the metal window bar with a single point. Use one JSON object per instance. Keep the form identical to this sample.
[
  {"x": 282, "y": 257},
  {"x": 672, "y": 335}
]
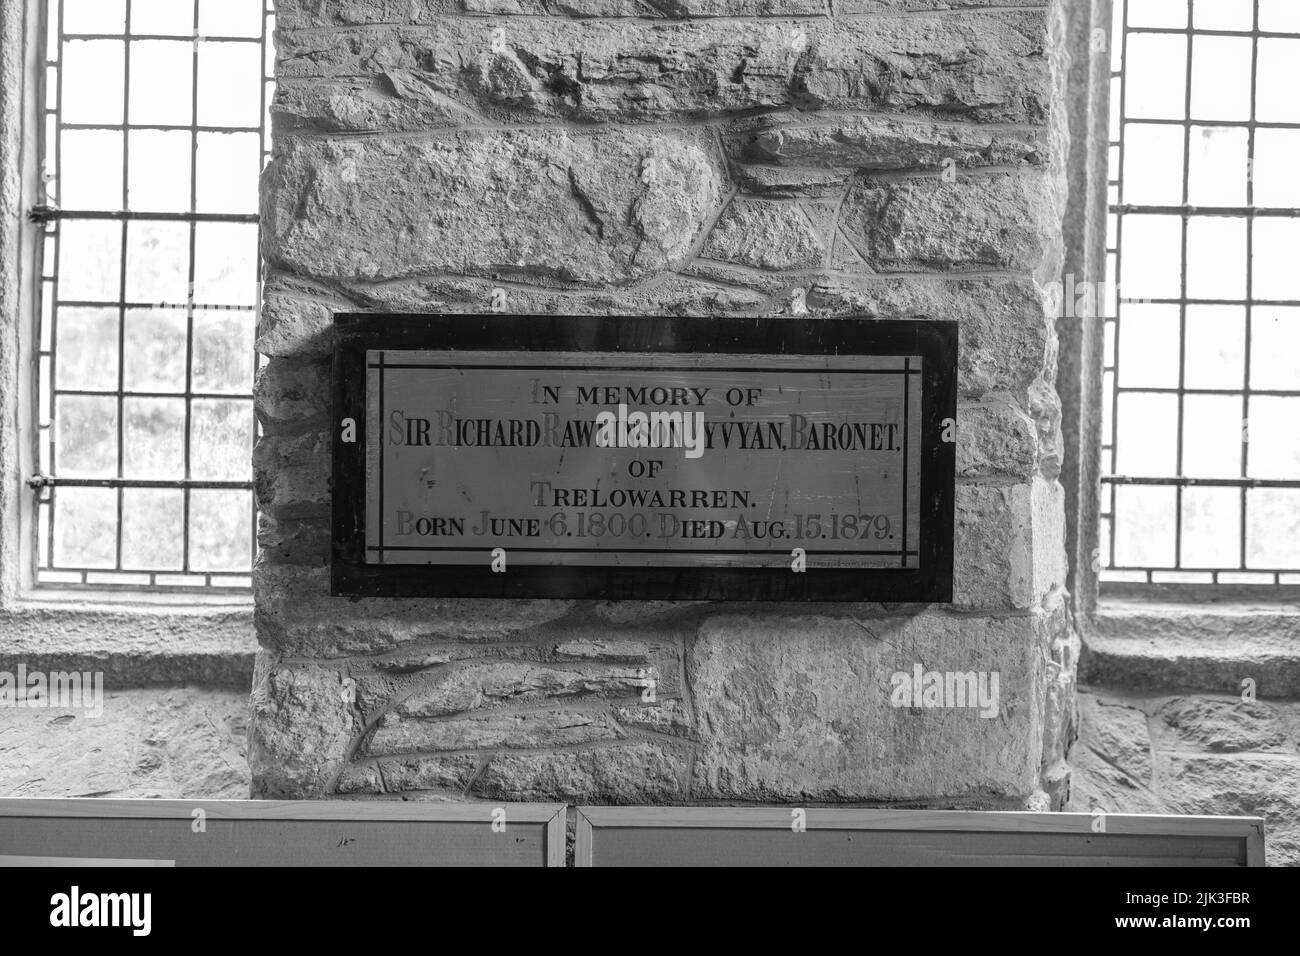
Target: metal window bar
[
  {"x": 1239, "y": 568},
  {"x": 49, "y": 216}
]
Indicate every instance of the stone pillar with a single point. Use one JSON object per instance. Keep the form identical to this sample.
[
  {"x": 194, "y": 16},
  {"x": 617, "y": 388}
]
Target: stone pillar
[{"x": 690, "y": 157}]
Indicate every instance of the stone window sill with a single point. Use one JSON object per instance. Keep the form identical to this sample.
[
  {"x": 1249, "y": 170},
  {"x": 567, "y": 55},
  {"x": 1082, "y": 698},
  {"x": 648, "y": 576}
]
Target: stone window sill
[
  {"x": 1161, "y": 646},
  {"x": 134, "y": 643}
]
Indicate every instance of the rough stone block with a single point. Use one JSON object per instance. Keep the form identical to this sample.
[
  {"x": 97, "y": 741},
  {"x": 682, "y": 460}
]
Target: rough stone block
[
  {"x": 588, "y": 208},
  {"x": 293, "y": 324},
  {"x": 995, "y": 439},
  {"x": 1005, "y": 341},
  {"x": 171, "y": 743},
  {"x": 530, "y": 729},
  {"x": 1224, "y": 724},
  {"x": 790, "y": 182},
  {"x": 297, "y": 617},
  {"x": 1117, "y": 731},
  {"x": 766, "y": 235},
  {"x": 396, "y": 102},
  {"x": 880, "y": 144},
  {"x": 300, "y": 14},
  {"x": 665, "y": 716},
  {"x": 293, "y": 540},
  {"x": 291, "y": 475},
  {"x": 292, "y": 396},
  {"x": 309, "y": 14},
  {"x": 359, "y": 778},
  {"x": 1266, "y": 785},
  {"x": 587, "y": 649},
  {"x": 1009, "y": 549},
  {"x": 301, "y": 727},
  {"x": 848, "y": 8},
  {"x": 986, "y": 66},
  {"x": 639, "y": 772},
  {"x": 443, "y": 773},
  {"x": 799, "y": 707},
  {"x": 469, "y": 686},
  {"x": 926, "y": 223}
]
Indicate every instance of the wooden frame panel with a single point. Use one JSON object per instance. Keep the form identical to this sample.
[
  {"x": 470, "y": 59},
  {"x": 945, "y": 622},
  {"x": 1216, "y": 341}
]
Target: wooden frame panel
[
  {"x": 281, "y": 833},
  {"x": 734, "y": 836}
]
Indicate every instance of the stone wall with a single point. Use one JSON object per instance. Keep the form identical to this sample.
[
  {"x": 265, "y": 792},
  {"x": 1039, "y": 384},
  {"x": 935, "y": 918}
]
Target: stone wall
[
  {"x": 757, "y": 157},
  {"x": 1191, "y": 752},
  {"x": 171, "y": 742}
]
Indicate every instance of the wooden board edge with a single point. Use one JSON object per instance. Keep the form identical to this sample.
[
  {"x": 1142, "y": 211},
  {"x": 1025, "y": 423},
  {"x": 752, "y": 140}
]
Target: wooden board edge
[
  {"x": 1255, "y": 843},
  {"x": 319, "y": 810},
  {"x": 822, "y": 818},
  {"x": 582, "y": 844},
  {"x": 557, "y": 836}
]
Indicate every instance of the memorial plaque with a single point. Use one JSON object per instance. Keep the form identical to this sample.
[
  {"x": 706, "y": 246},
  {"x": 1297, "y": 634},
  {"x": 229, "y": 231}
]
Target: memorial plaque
[{"x": 623, "y": 458}]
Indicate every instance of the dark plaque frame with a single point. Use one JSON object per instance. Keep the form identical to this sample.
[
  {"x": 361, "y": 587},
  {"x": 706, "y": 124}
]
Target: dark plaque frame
[{"x": 935, "y": 342}]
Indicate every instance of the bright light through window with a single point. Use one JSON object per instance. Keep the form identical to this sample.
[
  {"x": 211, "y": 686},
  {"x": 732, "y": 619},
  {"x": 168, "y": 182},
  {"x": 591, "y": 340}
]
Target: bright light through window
[{"x": 155, "y": 133}]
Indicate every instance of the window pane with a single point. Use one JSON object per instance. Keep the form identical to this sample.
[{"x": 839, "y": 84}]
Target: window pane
[
  {"x": 1274, "y": 437},
  {"x": 85, "y": 527},
  {"x": 221, "y": 442},
  {"x": 1156, "y": 13},
  {"x": 1211, "y": 527},
  {"x": 1277, "y": 80},
  {"x": 223, "y": 352},
  {"x": 1216, "y": 346},
  {"x": 86, "y": 345},
  {"x": 86, "y": 436},
  {"x": 92, "y": 76},
  {"x": 1155, "y": 79},
  {"x": 1221, "y": 91},
  {"x": 1147, "y": 434},
  {"x": 154, "y": 440},
  {"x": 94, "y": 16},
  {"x": 162, "y": 83},
  {"x": 1218, "y": 164},
  {"x": 90, "y": 260},
  {"x": 159, "y": 173},
  {"x": 1273, "y": 528},
  {"x": 90, "y": 174},
  {"x": 162, "y": 17},
  {"x": 1277, "y": 153},
  {"x": 157, "y": 262},
  {"x": 1148, "y": 347},
  {"x": 153, "y": 522},
  {"x": 148, "y": 316},
  {"x": 225, "y": 263},
  {"x": 1152, "y": 257},
  {"x": 155, "y": 350},
  {"x": 220, "y": 523},
  {"x": 1205, "y": 247},
  {"x": 1279, "y": 16},
  {"x": 1222, "y": 14},
  {"x": 1276, "y": 275},
  {"x": 230, "y": 83},
  {"x": 1216, "y": 257},
  {"x": 228, "y": 167},
  {"x": 1144, "y": 526},
  {"x": 1275, "y": 347},
  {"x": 1153, "y": 164},
  {"x": 230, "y": 18},
  {"x": 1212, "y": 428}
]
